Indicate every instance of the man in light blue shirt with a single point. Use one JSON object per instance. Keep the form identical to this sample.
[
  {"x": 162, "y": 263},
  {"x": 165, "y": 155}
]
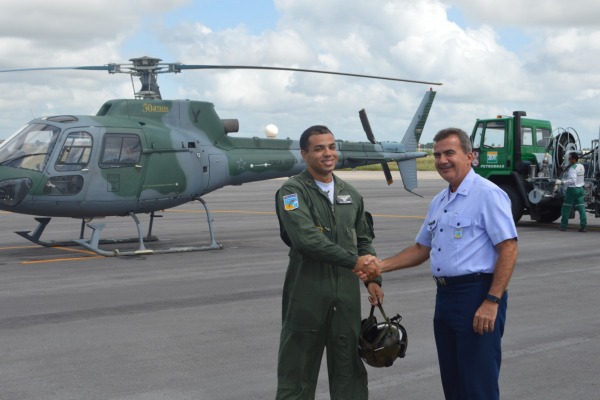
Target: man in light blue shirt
[
  {"x": 463, "y": 227},
  {"x": 471, "y": 239}
]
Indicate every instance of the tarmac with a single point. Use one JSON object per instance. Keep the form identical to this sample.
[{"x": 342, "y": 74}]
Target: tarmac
[{"x": 205, "y": 325}]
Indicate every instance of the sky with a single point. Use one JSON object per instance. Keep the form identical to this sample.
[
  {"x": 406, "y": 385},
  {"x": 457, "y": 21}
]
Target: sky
[{"x": 492, "y": 56}]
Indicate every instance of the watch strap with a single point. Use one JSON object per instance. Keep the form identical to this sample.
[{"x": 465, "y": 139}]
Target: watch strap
[{"x": 492, "y": 298}]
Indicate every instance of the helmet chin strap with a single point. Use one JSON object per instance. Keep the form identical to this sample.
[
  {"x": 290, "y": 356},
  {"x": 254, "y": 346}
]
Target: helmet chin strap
[{"x": 382, "y": 312}]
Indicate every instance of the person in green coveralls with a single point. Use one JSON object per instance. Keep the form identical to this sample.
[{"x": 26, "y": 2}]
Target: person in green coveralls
[
  {"x": 322, "y": 219},
  {"x": 574, "y": 193}
]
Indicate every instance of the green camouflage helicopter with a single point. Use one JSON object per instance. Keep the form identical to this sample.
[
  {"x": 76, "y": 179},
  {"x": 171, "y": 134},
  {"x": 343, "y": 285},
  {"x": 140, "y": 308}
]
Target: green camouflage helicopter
[{"x": 147, "y": 154}]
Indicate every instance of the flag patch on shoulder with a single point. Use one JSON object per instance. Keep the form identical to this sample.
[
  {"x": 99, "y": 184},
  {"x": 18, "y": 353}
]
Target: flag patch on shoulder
[{"x": 290, "y": 202}]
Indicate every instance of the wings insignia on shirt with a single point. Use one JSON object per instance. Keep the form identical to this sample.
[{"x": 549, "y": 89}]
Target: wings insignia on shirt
[{"x": 344, "y": 199}]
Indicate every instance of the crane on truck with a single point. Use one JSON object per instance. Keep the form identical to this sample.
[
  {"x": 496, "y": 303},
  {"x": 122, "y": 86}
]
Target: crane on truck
[{"x": 527, "y": 165}]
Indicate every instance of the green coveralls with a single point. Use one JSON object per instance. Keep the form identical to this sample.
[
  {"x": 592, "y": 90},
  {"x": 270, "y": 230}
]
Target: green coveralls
[
  {"x": 321, "y": 295},
  {"x": 574, "y": 197}
]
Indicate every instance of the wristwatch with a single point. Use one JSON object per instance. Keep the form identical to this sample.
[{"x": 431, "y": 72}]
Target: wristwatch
[{"x": 492, "y": 298}]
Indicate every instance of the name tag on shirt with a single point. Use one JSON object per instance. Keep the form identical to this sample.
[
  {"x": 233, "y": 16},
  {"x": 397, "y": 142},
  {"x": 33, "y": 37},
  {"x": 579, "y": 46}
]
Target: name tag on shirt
[{"x": 344, "y": 199}]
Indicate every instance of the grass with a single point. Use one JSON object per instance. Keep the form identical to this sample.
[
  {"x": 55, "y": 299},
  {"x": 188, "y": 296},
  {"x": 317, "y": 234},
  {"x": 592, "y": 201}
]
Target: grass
[{"x": 423, "y": 164}]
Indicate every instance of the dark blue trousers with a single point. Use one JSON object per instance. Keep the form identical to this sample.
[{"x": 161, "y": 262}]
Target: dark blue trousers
[{"x": 469, "y": 362}]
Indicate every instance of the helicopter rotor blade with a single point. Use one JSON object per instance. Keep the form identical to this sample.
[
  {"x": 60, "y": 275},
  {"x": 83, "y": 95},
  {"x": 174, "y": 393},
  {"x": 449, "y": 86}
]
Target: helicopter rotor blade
[
  {"x": 158, "y": 67},
  {"x": 148, "y": 68},
  {"x": 367, "y": 128},
  {"x": 366, "y": 125},
  {"x": 109, "y": 68},
  {"x": 179, "y": 67}
]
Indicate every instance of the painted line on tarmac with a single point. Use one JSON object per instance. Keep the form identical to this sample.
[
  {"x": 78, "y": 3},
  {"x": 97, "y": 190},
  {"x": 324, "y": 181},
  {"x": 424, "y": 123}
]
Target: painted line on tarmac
[
  {"x": 18, "y": 247},
  {"x": 273, "y": 213},
  {"x": 222, "y": 212},
  {"x": 545, "y": 347},
  {"x": 90, "y": 254},
  {"x": 399, "y": 216},
  {"x": 52, "y": 260}
]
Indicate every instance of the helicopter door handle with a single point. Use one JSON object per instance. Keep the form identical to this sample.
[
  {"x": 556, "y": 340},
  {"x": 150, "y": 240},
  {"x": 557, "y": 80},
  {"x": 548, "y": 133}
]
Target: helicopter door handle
[
  {"x": 138, "y": 166},
  {"x": 85, "y": 170}
]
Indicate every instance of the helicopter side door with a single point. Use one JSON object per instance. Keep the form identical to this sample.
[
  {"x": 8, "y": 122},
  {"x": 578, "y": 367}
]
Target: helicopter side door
[
  {"x": 64, "y": 190},
  {"x": 117, "y": 176}
]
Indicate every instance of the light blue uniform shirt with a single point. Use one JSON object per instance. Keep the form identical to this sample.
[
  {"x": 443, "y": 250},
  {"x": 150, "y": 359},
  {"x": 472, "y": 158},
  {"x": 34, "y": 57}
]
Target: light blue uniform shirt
[{"x": 462, "y": 228}]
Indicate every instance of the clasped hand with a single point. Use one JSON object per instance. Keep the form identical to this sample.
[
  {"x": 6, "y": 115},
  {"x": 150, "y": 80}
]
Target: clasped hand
[{"x": 367, "y": 267}]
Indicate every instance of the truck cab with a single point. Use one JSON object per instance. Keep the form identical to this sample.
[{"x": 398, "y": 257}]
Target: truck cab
[{"x": 511, "y": 160}]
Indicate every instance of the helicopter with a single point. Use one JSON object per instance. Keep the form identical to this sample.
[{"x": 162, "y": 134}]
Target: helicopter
[{"x": 147, "y": 154}]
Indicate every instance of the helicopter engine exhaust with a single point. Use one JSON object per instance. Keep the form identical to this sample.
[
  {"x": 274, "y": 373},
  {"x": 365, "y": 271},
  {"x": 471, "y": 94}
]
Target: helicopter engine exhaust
[{"x": 231, "y": 125}]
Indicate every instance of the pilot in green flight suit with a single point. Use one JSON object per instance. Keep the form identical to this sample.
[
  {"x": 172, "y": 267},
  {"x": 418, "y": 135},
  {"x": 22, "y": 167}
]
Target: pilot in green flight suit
[{"x": 328, "y": 231}]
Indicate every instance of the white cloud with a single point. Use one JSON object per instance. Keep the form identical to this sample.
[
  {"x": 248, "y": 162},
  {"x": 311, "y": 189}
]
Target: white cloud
[
  {"x": 63, "y": 33},
  {"x": 555, "y": 14},
  {"x": 413, "y": 40}
]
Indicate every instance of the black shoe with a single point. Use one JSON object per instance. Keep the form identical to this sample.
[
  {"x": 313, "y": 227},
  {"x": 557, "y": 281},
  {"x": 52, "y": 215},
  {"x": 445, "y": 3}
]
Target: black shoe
[
  {"x": 563, "y": 229},
  {"x": 582, "y": 229}
]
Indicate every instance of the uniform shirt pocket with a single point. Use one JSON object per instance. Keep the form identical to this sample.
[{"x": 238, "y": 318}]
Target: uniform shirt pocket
[{"x": 461, "y": 230}]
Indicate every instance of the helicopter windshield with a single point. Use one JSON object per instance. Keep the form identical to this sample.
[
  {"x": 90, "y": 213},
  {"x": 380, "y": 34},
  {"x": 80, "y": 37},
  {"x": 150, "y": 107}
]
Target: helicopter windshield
[{"x": 29, "y": 147}]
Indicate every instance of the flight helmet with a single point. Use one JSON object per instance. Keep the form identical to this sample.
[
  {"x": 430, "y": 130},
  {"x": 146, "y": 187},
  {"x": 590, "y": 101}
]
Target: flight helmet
[{"x": 381, "y": 343}]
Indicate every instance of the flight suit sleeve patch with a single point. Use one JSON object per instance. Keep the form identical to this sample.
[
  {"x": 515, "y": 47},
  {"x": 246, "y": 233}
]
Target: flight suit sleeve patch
[{"x": 290, "y": 202}]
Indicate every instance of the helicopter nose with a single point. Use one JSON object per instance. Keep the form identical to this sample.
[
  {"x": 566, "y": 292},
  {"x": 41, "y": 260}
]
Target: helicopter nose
[{"x": 13, "y": 191}]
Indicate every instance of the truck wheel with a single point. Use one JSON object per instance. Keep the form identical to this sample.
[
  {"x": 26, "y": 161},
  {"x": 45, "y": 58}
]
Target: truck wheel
[
  {"x": 549, "y": 214},
  {"x": 515, "y": 200}
]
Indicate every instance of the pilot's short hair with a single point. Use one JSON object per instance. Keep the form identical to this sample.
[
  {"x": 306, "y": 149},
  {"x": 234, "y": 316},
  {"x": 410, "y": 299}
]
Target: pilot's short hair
[
  {"x": 574, "y": 155},
  {"x": 313, "y": 130},
  {"x": 465, "y": 141}
]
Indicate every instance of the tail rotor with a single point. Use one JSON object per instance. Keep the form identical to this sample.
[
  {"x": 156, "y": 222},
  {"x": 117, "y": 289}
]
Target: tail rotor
[{"x": 367, "y": 128}]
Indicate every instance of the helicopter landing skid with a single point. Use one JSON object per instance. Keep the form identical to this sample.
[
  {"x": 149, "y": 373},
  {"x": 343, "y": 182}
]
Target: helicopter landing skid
[
  {"x": 94, "y": 241},
  {"x": 43, "y": 222}
]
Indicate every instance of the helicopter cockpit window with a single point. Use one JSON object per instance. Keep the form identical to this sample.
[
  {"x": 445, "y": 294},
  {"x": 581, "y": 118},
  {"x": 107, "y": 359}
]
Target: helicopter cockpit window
[
  {"x": 29, "y": 147},
  {"x": 76, "y": 152},
  {"x": 120, "y": 150}
]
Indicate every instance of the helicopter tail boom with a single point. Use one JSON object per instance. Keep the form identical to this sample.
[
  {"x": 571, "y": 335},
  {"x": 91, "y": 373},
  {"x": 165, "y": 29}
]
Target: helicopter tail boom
[
  {"x": 404, "y": 153},
  {"x": 408, "y": 167},
  {"x": 415, "y": 129}
]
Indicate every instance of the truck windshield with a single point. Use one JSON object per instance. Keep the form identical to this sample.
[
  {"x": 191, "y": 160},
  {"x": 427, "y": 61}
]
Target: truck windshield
[
  {"x": 494, "y": 134},
  {"x": 29, "y": 147}
]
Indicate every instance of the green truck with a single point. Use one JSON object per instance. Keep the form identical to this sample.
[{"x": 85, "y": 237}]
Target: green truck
[{"x": 526, "y": 166}]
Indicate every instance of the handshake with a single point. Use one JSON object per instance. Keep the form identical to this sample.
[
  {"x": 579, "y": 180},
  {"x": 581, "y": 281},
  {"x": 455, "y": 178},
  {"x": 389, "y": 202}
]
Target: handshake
[{"x": 367, "y": 267}]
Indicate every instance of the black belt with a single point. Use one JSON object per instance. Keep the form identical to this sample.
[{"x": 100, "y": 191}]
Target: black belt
[{"x": 457, "y": 280}]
